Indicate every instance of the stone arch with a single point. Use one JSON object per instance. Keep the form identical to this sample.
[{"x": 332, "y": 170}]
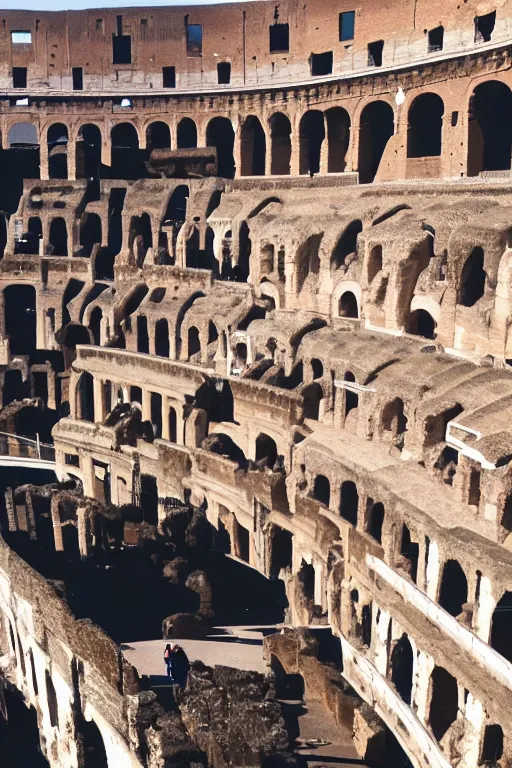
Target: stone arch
[
  {"x": 322, "y": 490},
  {"x": 501, "y": 627},
  {"x": 281, "y": 144},
  {"x": 57, "y": 139},
  {"x": 346, "y": 245},
  {"x": 187, "y": 133},
  {"x": 492, "y": 745},
  {"x": 489, "y": 139},
  {"x": 375, "y": 520},
  {"x": 253, "y": 147},
  {"x": 338, "y": 138},
  {"x": 88, "y": 152},
  {"x": 473, "y": 279},
  {"x": 313, "y": 397},
  {"x": 220, "y": 134},
  {"x": 158, "y": 136},
  {"x": 348, "y": 305},
  {"x": 453, "y": 590},
  {"x": 95, "y": 755},
  {"x": 266, "y": 450},
  {"x": 162, "y": 341},
  {"x": 85, "y": 397},
  {"x": 58, "y": 237},
  {"x": 376, "y": 126},
  {"x": 402, "y": 668},
  {"x": 393, "y": 419},
  {"x": 444, "y": 702},
  {"x": 425, "y": 128},
  {"x": 125, "y": 162},
  {"x": 349, "y": 502},
  {"x": 421, "y": 323},
  {"x": 311, "y": 138},
  {"x": 193, "y": 342}
]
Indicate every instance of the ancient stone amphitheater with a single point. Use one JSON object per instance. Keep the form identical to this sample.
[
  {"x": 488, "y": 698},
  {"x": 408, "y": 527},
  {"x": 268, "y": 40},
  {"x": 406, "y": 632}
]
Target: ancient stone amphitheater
[{"x": 256, "y": 287}]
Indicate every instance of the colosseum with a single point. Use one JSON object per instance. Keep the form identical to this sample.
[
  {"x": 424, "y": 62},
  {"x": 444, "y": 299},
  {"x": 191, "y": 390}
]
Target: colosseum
[{"x": 255, "y": 365}]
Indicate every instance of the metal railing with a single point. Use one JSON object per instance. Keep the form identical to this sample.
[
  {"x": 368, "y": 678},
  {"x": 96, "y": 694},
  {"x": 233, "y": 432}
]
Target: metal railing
[{"x": 25, "y": 447}]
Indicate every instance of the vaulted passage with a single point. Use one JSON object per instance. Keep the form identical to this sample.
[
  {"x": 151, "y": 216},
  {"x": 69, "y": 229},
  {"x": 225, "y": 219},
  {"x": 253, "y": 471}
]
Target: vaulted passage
[
  {"x": 453, "y": 592},
  {"x": 95, "y": 755},
  {"x": 425, "y": 126},
  {"x": 489, "y": 139},
  {"x": 253, "y": 148},
  {"x": 501, "y": 629},
  {"x": 88, "y": 153},
  {"x": 402, "y": 664},
  {"x": 338, "y": 138},
  {"x": 126, "y": 163},
  {"x": 220, "y": 134},
  {"x": 473, "y": 278},
  {"x": 187, "y": 134},
  {"x": 444, "y": 703},
  {"x": 20, "y": 318},
  {"x": 376, "y": 127},
  {"x": 57, "y": 137},
  {"x": 349, "y": 502},
  {"x": 311, "y": 137},
  {"x": 158, "y": 136},
  {"x": 421, "y": 323},
  {"x": 280, "y": 134}
]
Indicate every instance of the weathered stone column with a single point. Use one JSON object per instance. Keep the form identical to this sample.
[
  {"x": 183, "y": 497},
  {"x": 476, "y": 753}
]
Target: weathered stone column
[
  {"x": 84, "y": 535},
  {"x": 99, "y": 405},
  {"x": 43, "y": 159},
  {"x": 57, "y": 528},
  {"x": 71, "y": 155}
]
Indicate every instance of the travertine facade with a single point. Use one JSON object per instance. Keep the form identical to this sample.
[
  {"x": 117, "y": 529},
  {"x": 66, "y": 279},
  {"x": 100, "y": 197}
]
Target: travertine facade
[{"x": 311, "y": 345}]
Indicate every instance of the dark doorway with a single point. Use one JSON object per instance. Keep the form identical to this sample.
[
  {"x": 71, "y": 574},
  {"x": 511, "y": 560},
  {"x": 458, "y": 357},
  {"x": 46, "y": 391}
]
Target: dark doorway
[
  {"x": 57, "y": 138},
  {"x": 158, "y": 136},
  {"x": 348, "y": 306},
  {"x": 142, "y": 334},
  {"x": 86, "y": 397},
  {"x": 338, "y": 138},
  {"x": 281, "y": 554},
  {"x": 376, "y": 521},
  {"x": 280, "y": 133},
  {"x": 95, "y": 755},
  {"x": 424, "y": 136},
  {"x": 376, "y": 127},
  {"x": 20, "y": 318},
  {"x": 187, "y": 134},
  {"x": 322, "y": 490},
  {"x": 125, "y": 160},
  {"x": 253, "y": 148},
  {"x": 402, "y": 663},
  {"x": 501, "y": 628},
  {"x": 349, "y": 502},
  {"x": 58, "y": 238},
  {"x": 472, "y": 280},
  {"x": 266, "y": 450},
  {"x": 88, "y": 153},
  {"x": 421, "y": 323},
  {"x": 149, "y": 499},
  {"x": 444, "y": 704},
  {"x": 311, "y": 138},
  {"x": 95, "y": 325},
  {"x": 162, "y": 346},
  {"x": 220, "y": 134},
  {"x": 410, "y": 551},
  {"x": 489, "y": 138}
]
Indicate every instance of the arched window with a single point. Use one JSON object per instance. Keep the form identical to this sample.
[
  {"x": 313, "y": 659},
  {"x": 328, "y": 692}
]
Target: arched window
[
  {"x": 347, "y": 244},
  {"x": 492, "y": 747},
  {"x": 194, "y": 344},
  {"x": 94, "y": 752},
  {"x": 374, "y": 263},
  {"x": 126, "y": 163},
  {"x": 95, "y": 325},
  {"x": 317, "y": 368},
  {"x": 253, "y": 147},
  {"x": 421, "y": 323},
  {"x": 162, "y": 346},
  {"x": 58, "y": 238},
  {"x": 444, "y": 703},
  {"x": 376, "y": 127},
  {"x": 425, "y": 126},
  {"x": 220, "y": 134},
  {"x": 402, "y": 666},
  {"x": 311, "y": 138},
  {"x": 142, "y": 334},
  {"x": 280, "y": 133},
  {"x": 501, "y": 628},
  {"x": 453, "y": 591},
  {"x": 57, "y": 138},
  {"x": 348, "y": 306},
  {"x": 394, "y": 419},
  {"x": 313, "y": 395},
  {"x": 187, "y": 134},
  {"x": 173, "y": 425},
  {"x": 489, "y": 139},
  {"x": 376, "y": 521},
  {"x": 338, "y": 138},
  {"x": 158, "y": 136},
  {"x": 349, "y": 502},
  {"x": 266, "y": 450},
  {"x": 322, "y": 490},
  {"x": 88, "y": 153},
  {"x": 85, "y": 409},
  {"x": 473, "y": 277}
]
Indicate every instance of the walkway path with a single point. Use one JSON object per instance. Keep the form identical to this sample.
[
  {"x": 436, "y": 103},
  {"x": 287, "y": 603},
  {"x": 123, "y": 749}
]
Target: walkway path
[{"x": 242, "y": 647}]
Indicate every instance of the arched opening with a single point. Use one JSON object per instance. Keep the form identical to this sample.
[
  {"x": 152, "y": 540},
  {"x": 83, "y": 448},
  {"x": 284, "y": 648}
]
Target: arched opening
[
  {"x": 242, "y": 542},
  {"x": 241, "y": 270},
  {"x": 307, "y": 261},
  {"x": 322, "y": 490},
  {"x": 20, "y": 161},
  {"x": 85, "y": 409},
  {"x": 317, "y": 368},
  {"x": 57, "y": 138},
  {"x": 306, "y": 577},
  {"x": 30, "y": 241},
  {"x": 253, "y": 147},
  {"x": 281, "y": 551},
  {"x": 376, "y": 127},
  {"x": 88, "y": 153},
  {"x": 173, "y": 425},
  {"x": 424, "y": 136},
  {"x": 95, "y": 325},
  {"x": 501, "y": 627},
  {"x": 313, "y": 396},
  {"x": 266, "y": 450},
  {"x": 444, "y": 703},
  {"x": 171, "y": 224},
  {"x": 140, "y": 238},
  {"x": 194, "y": 344},
  {"x": 71, "y": 335},
  {"x": 162, "y": 346},
  {"x": 156, "y": 413},
  {"x": 187, "y": 134},
  {"x": 376, "y": 521},
  {"x": 421, "y": 323},
  {"x": 349, "y": 502},
  {"x": 453, "y": 592},
  {"x": 201, "y": 258},
  {"x": 374, "y": 263},
  {"x": 220, "y": 134},
  {"x": 351, "y": 398},
  {"x": 472, "y": 280},
  {"x": 158, "y": 136},
  {"x": 394, "y": 420},
  {"x": 90, "y": 233},
  {"x": 19, "y": 734},
  {"x": 489, "y": 139},
  {"x": 446, "y": 464},
  {"x": 125, "y": 162},
  {"x": 402, "y": 665},
  {"x": 58, "y": 238},
  {"x": 105, "y": 258},
  {"x": 280, "y": 135},
  {"x": 94, "y": 752},
  {"x": 51, "y": 696},
  {"x": 311, "y": 138},
  {"x": 492, "y": 747},
  {"x": 410, "y": 551},
  {"x": 338, "y": 138},
  {"x": 142, "y": 334},
  {"x": 346, "y": 245},
  {"x": 20, "y": 318},
  {"x": 348, "y": 306}
]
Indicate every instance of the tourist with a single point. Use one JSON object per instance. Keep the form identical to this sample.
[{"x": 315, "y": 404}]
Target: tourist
[
  {"x": 180, "y": 665},
  {"x": 168, "y": 659}
]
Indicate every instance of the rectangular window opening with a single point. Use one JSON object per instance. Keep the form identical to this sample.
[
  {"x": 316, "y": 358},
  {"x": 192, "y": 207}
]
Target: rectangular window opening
[
  {"x": 279, "y": 38},
  {"x": 194, "y": 40},
  {"x": 375, "y": 53},
  {"x": 99, "y": 25},
  {"x": 224, "y": 73},
  {"x": 19, "y": 77},
  {"x": 321, "y": 63},
  {"x": 455, "y": 119},
  {"x": 435, "y": 39},
  {"x": 78, "y": 79},
  {"x": 119, "y": 25},
  {"x": 347, "y": 25},
  {"x": 484, "y": 27},
  {"x": 121, "y": 49},
  {"x": 169, "y": 77},
  {"x": 22, "y": 37}
]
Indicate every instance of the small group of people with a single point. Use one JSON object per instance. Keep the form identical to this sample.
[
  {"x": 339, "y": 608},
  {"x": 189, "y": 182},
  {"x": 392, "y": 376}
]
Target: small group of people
[{"x": 177, "y": 664}]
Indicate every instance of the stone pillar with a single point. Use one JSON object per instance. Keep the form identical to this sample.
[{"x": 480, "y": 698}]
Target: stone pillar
[
  {"x": 295, "y": 154},
  {"x": 237, "y": 151},
  {"x": 165, "y": 419},
  {"x": 268, "y": 153},
  {"x": 88, "y": 475},
  {"x": 146, "y": 405},
  {"x": 84, "y": 536},
  {"x": 9, "y": 508},
  {"x": 324, "y": 151},
  {"x": 57, "y": 528},
  {"x": 2, "y": 314},
  {"x": 43, "y": 159},
  {"x": 99, "y": 404},
  {"x": 71, "y": 154}
]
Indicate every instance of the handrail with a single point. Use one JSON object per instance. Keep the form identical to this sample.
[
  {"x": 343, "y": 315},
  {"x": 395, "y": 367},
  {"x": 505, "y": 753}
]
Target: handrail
[{"x": 39, "y": 450}]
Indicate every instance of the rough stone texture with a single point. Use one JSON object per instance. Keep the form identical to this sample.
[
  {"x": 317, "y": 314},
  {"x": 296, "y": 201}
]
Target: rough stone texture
[
  {"x": 198, "y": 582},
  {"x": 183, "y": 625}
]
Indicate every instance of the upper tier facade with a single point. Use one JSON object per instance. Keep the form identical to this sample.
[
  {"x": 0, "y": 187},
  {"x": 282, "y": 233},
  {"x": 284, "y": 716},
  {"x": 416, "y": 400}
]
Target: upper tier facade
[{"x": 257, "y": 44}]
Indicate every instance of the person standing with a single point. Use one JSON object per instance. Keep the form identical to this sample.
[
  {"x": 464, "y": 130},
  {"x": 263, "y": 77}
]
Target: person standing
[{"x": 168, "y": 659}]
